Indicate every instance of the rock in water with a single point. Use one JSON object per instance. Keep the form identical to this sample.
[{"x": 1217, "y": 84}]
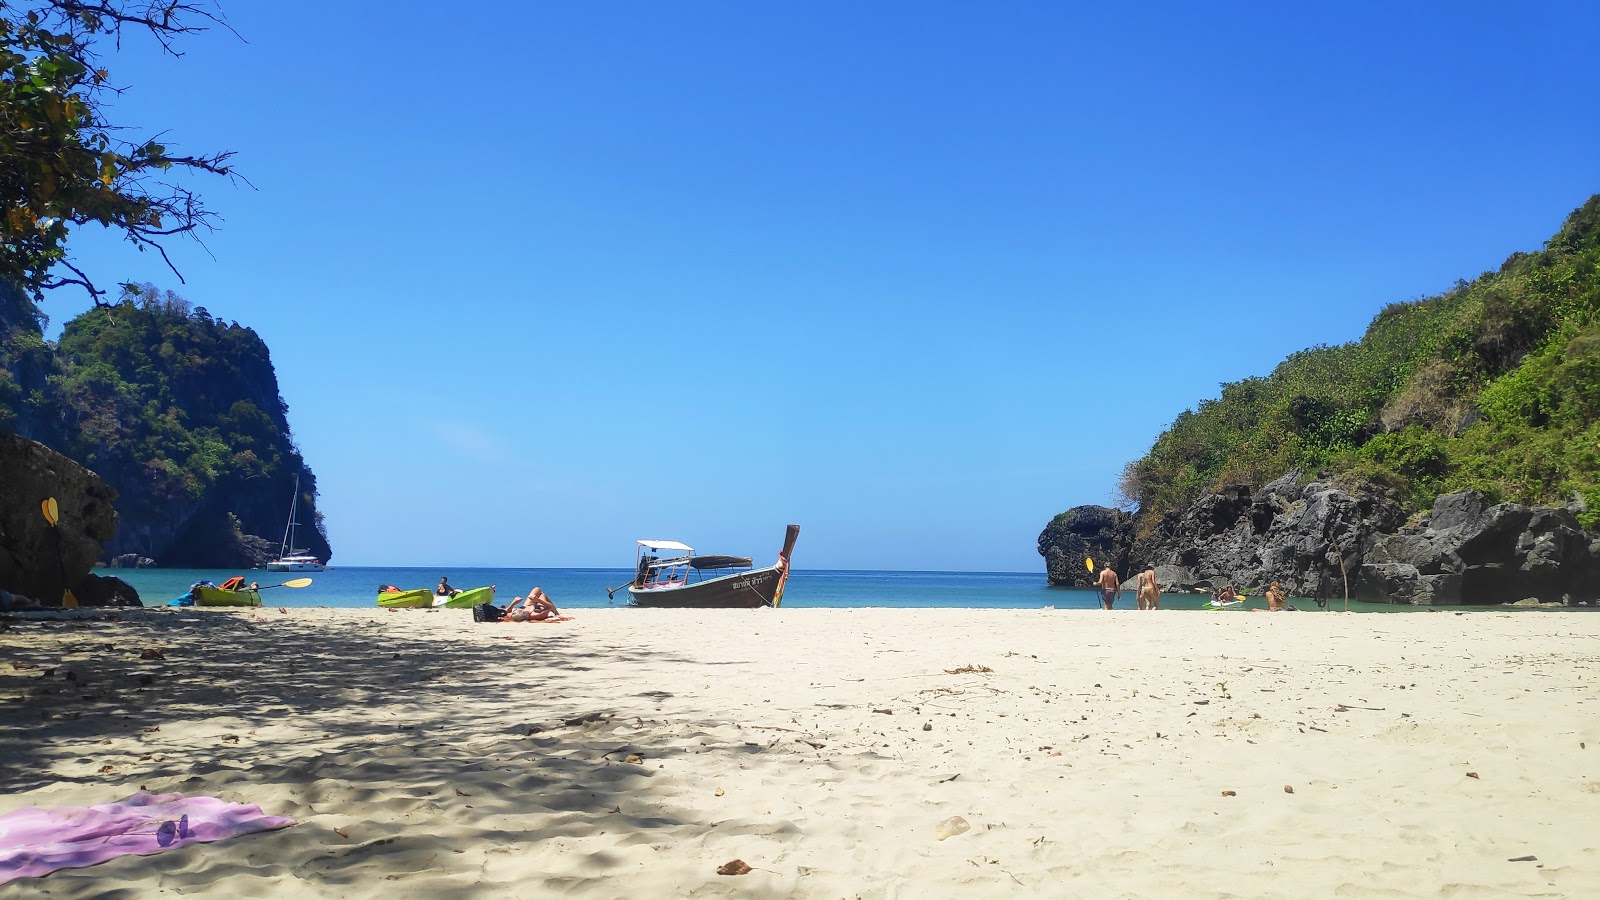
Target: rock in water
[{"x": 1085, "y": 532}]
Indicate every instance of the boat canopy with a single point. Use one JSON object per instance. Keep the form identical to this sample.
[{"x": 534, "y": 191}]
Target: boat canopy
[
  {"x": 720, "y": 562},
  {"x": 666, "y": 545}
]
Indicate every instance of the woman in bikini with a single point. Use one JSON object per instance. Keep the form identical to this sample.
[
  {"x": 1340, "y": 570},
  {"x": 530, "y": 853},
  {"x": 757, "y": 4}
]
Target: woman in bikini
[
  {"x": 536, "y": 607},
  {"x": 1149, "y": 593}
]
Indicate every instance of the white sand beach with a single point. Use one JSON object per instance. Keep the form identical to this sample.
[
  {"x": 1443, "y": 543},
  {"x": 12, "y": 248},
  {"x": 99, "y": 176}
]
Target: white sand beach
[{"x": 631, "y": 753}]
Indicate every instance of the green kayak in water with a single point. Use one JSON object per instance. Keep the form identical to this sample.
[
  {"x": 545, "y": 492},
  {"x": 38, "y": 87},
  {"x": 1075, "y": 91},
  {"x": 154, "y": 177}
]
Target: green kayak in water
[
  {"x": 406, "y": 599},
  {"x": 469, "y": 599}
]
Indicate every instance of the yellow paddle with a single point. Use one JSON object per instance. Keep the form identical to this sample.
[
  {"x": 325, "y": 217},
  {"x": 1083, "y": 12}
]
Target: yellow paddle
[
  {"x": 52, "y": 514},
  {"x": 292, "y": 583}
]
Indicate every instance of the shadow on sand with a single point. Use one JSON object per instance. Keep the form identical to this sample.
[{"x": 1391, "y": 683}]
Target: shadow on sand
[{"x": 373, "y": 739}]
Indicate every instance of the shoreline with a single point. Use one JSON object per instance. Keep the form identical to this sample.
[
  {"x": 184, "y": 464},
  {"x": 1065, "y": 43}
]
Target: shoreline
[
  {"x": 355, "y": 588},
  {"x": 822, "y": 747}
]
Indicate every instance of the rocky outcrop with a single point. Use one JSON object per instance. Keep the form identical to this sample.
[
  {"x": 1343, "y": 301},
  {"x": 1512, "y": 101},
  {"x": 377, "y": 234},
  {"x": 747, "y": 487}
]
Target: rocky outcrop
[
  {"x": 44, "y": 561},
  {"x": 1469, "y": 551},
  {"x": 255, "y": 552},
  {"x": 1291, "y": 531},
  {"x": 1085, "y": 532},
  {"x": 1321, "y": 540}
]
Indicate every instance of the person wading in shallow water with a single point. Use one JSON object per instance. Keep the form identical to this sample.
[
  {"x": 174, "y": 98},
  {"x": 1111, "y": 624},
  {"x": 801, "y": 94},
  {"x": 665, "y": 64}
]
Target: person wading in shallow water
[{"x": 1110, "y": 587}]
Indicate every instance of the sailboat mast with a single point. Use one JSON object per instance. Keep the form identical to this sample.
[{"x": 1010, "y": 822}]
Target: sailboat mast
[{"x": 288, "y": 530}]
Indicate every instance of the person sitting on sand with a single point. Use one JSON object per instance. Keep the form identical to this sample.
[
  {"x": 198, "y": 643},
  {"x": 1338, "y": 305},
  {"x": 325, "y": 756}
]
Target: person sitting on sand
[
  {"x": 536, "y": 607},
  {"x": 1149, "y": 593},
  {"x": 444, "y": 589}
]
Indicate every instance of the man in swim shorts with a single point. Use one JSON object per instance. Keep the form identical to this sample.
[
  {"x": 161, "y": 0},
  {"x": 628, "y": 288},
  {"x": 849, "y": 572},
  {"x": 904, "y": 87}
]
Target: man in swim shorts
[
  {"x": 1149, "y": 592},
  {"x": 1110, "y": 587}
]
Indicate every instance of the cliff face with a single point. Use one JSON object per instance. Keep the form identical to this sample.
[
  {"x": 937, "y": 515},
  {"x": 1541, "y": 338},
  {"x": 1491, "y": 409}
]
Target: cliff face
[
  {"x": 1324, "y": 540},
  {"x": 178, "y": 412}
]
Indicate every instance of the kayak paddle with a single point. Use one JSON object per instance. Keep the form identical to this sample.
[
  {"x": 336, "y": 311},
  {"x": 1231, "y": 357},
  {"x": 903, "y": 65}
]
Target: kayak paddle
[
  {"x": 295, "y": 583},
  {"x": 52, "y": 514}
]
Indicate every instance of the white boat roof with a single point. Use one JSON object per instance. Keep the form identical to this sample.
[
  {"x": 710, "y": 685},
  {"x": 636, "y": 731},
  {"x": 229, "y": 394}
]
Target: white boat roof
[{"x": 667, "y": 545}]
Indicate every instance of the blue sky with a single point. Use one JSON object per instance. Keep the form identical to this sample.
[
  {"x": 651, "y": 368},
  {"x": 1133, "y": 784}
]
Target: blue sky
[{"x": 541, "y": 279}]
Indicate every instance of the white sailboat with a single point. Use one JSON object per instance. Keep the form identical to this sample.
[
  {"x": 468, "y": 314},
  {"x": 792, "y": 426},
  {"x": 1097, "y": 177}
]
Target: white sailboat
[{"x": 290, "y": 558}]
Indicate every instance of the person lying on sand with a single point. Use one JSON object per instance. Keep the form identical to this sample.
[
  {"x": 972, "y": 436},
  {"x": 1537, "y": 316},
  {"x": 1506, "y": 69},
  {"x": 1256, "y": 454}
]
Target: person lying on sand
[
  {"x": 10, "y": 601},
  {"x": 536, "y": 607}
]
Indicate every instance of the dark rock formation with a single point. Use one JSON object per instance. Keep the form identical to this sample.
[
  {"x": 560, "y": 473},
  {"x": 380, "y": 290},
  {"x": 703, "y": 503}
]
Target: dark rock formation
[
  {"x": 129, "y": 561},
  {"x": 104, "y": 590},
  {"x": 1320, "y": 540},
  {"x": 42, "y": 561},
  {"x": 255, "y": 552},
  {"x": 1085, "y": 532},
  {"x": 1292, "y": 532},
  {"x": 1471, "y": 552}
]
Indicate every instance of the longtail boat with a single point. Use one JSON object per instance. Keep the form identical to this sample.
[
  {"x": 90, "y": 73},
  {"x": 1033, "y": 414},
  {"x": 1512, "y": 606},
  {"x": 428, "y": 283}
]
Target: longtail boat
[{"x": 684, "y": 580}]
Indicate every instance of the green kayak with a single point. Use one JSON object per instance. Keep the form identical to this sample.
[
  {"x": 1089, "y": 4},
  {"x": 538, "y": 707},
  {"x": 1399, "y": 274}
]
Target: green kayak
[
  {"x": 469, "y": 599},
  {"x": 206, "y": 595},
  {"x": 406, "y": 599}
]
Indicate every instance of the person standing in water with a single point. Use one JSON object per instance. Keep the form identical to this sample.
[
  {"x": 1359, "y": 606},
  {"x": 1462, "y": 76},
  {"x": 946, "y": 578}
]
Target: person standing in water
[
  {"x": 1110, "y": 587},
  {"x": 1149, "y": 592}
]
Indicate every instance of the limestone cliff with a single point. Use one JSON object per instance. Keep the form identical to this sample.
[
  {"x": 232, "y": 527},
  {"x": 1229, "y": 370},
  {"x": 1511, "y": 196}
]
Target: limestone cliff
[{"x": 177, "y": 411}]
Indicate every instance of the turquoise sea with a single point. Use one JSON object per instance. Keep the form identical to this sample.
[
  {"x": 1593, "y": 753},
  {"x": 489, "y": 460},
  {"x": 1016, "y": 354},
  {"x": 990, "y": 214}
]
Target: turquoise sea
[{"x": 357, "y": 586}]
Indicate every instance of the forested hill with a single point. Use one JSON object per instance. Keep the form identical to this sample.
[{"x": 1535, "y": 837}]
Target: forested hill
[
  {"x": 176, "y": 410},
  {"x": 1493, "y": 385}
]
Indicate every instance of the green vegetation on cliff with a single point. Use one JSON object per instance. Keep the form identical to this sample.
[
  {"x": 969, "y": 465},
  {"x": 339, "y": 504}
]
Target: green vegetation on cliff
[
  {"x": 1493, "y": 385},
  {"x": 178, "y": 411}
]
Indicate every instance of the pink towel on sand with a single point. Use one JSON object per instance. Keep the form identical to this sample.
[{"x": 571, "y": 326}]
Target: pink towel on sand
[{"x": 39, "y": 841}]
